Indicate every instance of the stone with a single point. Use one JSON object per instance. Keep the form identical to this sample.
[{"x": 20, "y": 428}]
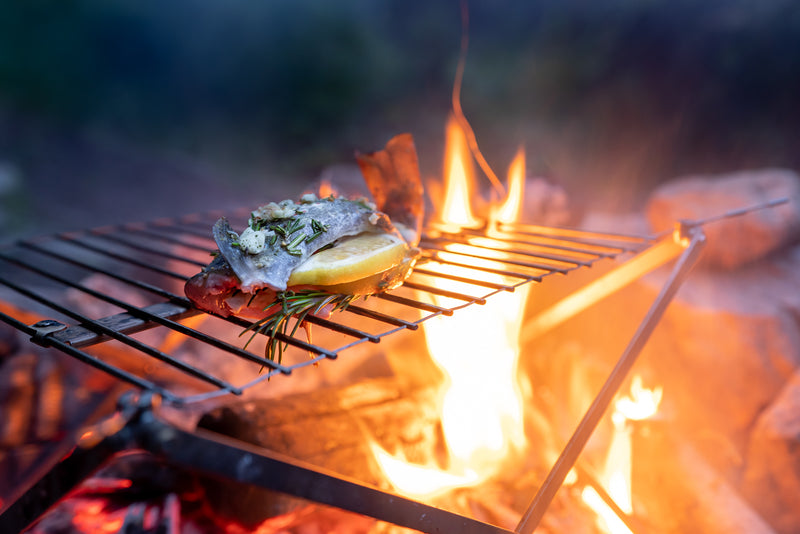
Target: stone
[
  {"x": 734, "y": 241},
  {"x": 728, "y": 342},
  {"x": 772, "y": 475},
  {"x": 675, "y": 488}
]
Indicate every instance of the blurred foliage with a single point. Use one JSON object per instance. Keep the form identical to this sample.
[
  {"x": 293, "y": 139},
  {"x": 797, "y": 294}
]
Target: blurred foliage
[{"x": 312, "y": 79}]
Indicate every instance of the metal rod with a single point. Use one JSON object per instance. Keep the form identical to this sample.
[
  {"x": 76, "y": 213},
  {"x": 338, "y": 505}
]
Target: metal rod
[
  {"x": 123, "y": 258},
  {"x": 531, "y": 265},
  {"x": 463, "y": 279},
  {"x": 507, "y": 237},
  {"x": 565, "y": 233},
  {"x": 480, "y": 268},
  {"x": 161, "y": 236},
  {"x": 378, "y": 316},
  {"x": 104, "y": 329},
  {"x": 519, "y": 251},
  {"x": 148, "y": 249},
  {"x": 662, "y": 252},
  {"x": 424, "y": 306},
  {"x": 217, "y": 455},
  {"x": 108, "y": 272},
  {"x": 444, "y": 293},
  {"x": 589, "y": 479},
  {"x": 594, "y": 414}
]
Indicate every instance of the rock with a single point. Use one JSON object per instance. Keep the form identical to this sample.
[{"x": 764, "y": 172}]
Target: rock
[
  {"x": 735, "y": 241},
  {"x": 545, "y": 203},
  {"x": 677, "y": 489},
  {"x": 772, "y": 475},
  {"x": 728, "y": 342}
]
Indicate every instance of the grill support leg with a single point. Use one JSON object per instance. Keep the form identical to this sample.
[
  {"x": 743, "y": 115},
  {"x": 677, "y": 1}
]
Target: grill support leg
[{"x": 569, "y": 455}]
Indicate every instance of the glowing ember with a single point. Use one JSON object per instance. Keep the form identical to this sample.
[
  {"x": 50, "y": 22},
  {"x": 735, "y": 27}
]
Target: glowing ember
[
  {"x": 616, "y": 477},
  {"x": 93, "y": 515},
  {"x": 477, "y": 350},
  {"x": 641, "y": 404}
]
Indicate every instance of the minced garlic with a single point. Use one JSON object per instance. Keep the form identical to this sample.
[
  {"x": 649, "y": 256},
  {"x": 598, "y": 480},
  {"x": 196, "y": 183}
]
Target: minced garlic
[{"x": 253, "y": 241}]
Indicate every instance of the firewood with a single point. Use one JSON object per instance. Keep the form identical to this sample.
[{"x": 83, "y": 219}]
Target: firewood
[{"x": 330, "y": 428}]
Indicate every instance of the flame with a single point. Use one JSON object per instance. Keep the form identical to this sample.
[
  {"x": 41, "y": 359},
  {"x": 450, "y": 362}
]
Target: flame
[
  {"x": 509, "y": 211},
  {"x": 460, "y": 177},
  {"x": 481, "y": 406},
  {"x": 640, "y": 404},
  {"x": 326, "y": 189}
]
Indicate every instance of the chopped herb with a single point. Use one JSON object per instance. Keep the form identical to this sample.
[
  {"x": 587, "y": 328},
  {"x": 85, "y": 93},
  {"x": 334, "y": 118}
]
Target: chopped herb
[
  {"x": 294, "y": 226},
  {"x": 317, "y": 226},
  {"x": 313, "y": 236},
  {"x": 326, "y": 247},
  {"x": 287, "y": 305},
  {"x": 296, "y": 242}
]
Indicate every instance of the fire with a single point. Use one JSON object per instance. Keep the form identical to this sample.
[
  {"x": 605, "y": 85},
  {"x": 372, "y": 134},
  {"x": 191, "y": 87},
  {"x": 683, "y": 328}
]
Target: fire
[
  {"x": 509, "y": 211},
  {"x": 476, "y": 349},
  {"x": 459, "y": 173},
  {"x": 94, "y": 515},
  {"x": 640, "y": 404}
]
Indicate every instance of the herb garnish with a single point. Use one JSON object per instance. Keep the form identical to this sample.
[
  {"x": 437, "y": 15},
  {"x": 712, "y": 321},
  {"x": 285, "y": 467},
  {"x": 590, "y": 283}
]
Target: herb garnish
[{"x": 292, "y": 304}]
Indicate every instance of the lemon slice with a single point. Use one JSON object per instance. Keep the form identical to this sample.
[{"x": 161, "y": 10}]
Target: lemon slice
[{"x": 351, "y": 259}]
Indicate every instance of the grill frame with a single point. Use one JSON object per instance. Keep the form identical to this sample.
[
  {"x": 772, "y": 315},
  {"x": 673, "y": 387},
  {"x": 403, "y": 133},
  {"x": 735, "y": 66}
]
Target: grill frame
[
  {"x": 145, "y": 429},
  {"x": 575, "y": 250}
]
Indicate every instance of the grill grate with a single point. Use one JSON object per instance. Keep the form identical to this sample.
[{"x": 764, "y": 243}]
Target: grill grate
[
  {"x": 113, "y": 298},
  {"x": 104, "y": 286}
]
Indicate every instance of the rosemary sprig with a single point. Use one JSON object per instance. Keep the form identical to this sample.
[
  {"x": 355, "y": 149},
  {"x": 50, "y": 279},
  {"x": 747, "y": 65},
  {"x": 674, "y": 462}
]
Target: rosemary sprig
[{"x": 288, "y": 305}]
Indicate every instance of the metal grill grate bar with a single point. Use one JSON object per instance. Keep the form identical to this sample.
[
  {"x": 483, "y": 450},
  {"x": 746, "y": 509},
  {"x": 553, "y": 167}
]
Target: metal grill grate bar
[
  {"x": 123, "y": 258},
  {"x": 99, "y": 328},
  {"x": 444, "y": 293},
  {"x": 573, "y": 260},
  {"x": 144, "y": 248},
  {"x": 154, "y": 259},
  {"x": 475, "y": 255},
  {"x": 464, "y": 279}
]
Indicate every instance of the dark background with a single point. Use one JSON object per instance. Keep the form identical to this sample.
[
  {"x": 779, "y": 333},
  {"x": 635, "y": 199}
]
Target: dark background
[{"x": 123, "y": 110}]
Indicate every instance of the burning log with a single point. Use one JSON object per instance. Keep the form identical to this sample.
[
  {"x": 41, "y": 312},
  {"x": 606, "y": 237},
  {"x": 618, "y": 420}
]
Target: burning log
[
  {"x": 331, "y": 428},
  {"x": 676, "y": 489}
]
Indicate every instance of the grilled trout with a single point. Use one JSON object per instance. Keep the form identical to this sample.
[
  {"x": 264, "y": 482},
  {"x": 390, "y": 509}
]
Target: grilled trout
[{"x": 258, "y": 263}]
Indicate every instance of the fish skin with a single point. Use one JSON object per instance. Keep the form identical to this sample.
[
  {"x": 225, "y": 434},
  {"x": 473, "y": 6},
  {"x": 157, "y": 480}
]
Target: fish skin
[
  {"x": 392, "y": 176},
  {"x": 272, "y": 267},
  {"x": 395, "y": 184}
]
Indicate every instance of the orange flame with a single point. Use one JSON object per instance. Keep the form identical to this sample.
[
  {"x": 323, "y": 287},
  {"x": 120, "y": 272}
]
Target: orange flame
[
  {"x": 640, "y": 404},
  {"x": 509, "y": 211},
  {"x": 460, "y": 178},
  {"x": 477, "y": 349}
]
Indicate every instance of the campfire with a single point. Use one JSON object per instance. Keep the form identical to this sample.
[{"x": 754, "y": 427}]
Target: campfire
[{"x": 459, "y": 433}]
